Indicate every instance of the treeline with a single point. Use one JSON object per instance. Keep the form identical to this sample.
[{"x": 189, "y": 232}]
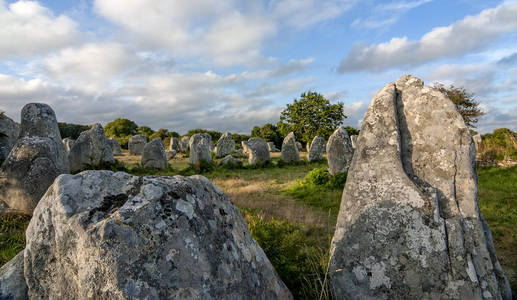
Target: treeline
[{"x": 501, "y": 145}]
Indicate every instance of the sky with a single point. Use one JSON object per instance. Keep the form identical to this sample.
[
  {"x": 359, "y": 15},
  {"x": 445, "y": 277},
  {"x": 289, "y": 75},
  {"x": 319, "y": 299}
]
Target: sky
[{"x": 229, "y": 65}]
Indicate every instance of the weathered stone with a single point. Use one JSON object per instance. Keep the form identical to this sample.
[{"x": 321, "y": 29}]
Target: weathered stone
[
  {"x": 136, "y": 144},
  {"x": 317, "y": 148},
  {"x": 239, "y": 153},
  {"x": 257, "y": 150},
  {"x": 409, "y": 225},
  {"x": 174, "y": 144},
  {"x": 105, "y": 235},
  {"x": 68, "y": 143},
  {"x": 91, "y": 149},
  {"x": 299, "y": 146},
  {"x": 353, "y": 140},
  {"x": 225, "y": 145},
  {"x": 12, "y": 280},
  {"x": 9, "y": 132},
  {"x": 230, "y": 160},
  {"x": 38, "y": 119},
  {"x": 154, "y": 155},
  {"x": 199, "y": 145},
  {"x": 477, "y": 141},
  {"x": 115, "y": 146},
  {"x": 271, "y": 147},
  {"x": 184, "y": 143},
  {"x": 339, "y": 151},
  {"x": 170, "y": 154},
  {"x": 290, "y": 149}
]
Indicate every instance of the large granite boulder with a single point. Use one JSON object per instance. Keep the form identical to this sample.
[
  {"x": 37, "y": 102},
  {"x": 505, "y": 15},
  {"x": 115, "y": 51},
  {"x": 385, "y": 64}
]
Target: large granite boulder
[
  {"x": 170, "y": 154},
  {"x": 409, "y": 226},
  {"x": 353, "y": 140},
  {"x": 12, "y": 280},
  {"x": 136, "y": 144},
  {"x": 199, "y": 146},
  {"x": 317, "y": 148},
  {"x": 229, "y": 160},
  {"x": 68, "y": 143},
  {"x": 339, "y": 151},
  {"x": 184, "y": 143},
  {"x": 290, "y": 149},
  {"x": 257, "y": 150},
  {"x": 91, "y": 149},
  {"x": 9, "y": 132},
  {"x": 154, "y": 155},
  {"x": 105, "y": 235},
  {"x": 225, "y": 145},
  {"x": 115, "y": 146},
  {"x": 477, "y": 141},
  {"x": 174, "y": 144},
  {"x": 36, "y": 159},
  {"x": 272, "y": 148}
]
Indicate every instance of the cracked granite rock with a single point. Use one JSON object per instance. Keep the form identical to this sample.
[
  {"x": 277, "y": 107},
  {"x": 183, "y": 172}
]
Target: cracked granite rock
[
  {"x": 290, "y": 152},
  {"x": 409, "y": 225}
]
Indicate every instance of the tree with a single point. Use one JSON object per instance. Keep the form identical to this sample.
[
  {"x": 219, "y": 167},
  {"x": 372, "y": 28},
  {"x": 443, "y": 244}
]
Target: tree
[
  {"x": 214, "y": 134},
  {"x": 69, "y": 130},
  {"x": 465, "y": 103},
  {"x": 351, "y": 131},
  {"x": 310, "y": 116},
  {"x": 269, "y": 132},
  {"x": 120, "y": 128},
  {"x": 145, "y": 131}
]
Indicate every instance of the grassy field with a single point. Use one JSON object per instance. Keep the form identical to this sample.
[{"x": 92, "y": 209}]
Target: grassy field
[{"x": 291, "y": 211}]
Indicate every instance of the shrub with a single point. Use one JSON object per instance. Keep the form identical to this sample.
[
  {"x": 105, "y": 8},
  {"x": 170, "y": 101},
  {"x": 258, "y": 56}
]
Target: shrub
[{"x": 321, "y": 177}]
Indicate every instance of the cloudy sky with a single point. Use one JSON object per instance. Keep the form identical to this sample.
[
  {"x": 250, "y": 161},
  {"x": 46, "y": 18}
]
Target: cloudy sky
[{"x": 230, "y": 65}]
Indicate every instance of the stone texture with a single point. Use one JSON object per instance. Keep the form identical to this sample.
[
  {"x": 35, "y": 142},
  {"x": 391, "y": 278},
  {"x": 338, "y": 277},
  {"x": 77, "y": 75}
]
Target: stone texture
[
  {"x": 115, "y": 146},
  {"x": 240, "y": 153},
  {"x": 271, "y": 147},
  {"x": 9, "y": 132},
  {"x": 317, "y": 148},
  {"x": 230, "y": 160},
  {"x": 339, "y": 151},
  {"x": 38, "y": 119},
  {"x": 184, "y": 143},
  {"x": 299, "y": 146},
  {"x": 105, "y": 235},
  {"x": 154, "y": 155},
  {"x": 91, "y": 149},
  {"x": 199, "y": 145},
  {"x": 68, "y": 143},
  {"x": 170, "y": 154},
  {"x": 290, "y": 149},
  {"x": 12, "y": 281},
  {"x": 136, "y": 144},
  {"x": 225, "y": 145},
  {"x": 353, "y": 140},
  {"x": 174, "y": 144},
  {"x": 409, "y": 225},
  {"x": 477, "y": 141},
  {"x": 257, "y": 150}
]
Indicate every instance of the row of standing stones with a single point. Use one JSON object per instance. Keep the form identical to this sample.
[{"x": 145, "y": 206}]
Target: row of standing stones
[{"x": 409, "y": 225}]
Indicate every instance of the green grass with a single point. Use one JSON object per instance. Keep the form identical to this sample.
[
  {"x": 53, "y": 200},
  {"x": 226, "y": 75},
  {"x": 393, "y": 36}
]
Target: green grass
[{"x": 12, "y": 235}]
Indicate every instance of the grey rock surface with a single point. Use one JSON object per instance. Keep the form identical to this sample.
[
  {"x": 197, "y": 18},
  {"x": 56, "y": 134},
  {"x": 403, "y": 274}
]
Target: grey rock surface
[
  {"x": 317, "y": 148},
  {"x": 115, "y": 146},
  {"x": 240, "y": 153},
  {"x": 91, "y": 149},
  {"x": 9, "y": 132},
  {"x": 174, "y": 144},
  {"x": 38, "y": 119},
  {"x": 12, "y": 281},
  {"x": 477, "y": 140},
  {"x": 225, "y": 145},
  {"x": 257, "y": 150},
  {"x": 353, "y": 140},
  {"x": 290, "y": 149},
  {"x": 230, "y": 160},
  {"x": 105, "y": 235},
  {"x": 299, "y": 146},
  {"x": 184, "y": 142},
  {"x": 272, "y": 148},
  {"x": 154, "y": 155},
  {"x": 409, "y": 224},
  {"x": 136, "y": 144},
  {"x": 199, "y": 146},
  {"x": 339, "y": 151},
  {"x": 68, "y": 143},
  {"x": 170, "y": 154}
]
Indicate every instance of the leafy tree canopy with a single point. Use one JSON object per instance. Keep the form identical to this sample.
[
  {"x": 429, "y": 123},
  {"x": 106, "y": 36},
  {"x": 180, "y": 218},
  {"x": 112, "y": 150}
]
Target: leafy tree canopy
[
  {"x": 214, "y": 134},
  {"x": 268, "y": 132},
  {"x": 351, "y": 131},
  {"x": 465, "y": 103},
  {"x": 145, "y": 131},
  {"x": 309, "y": 116},
  {"x": 69, "y": 130},
  {"x": 120, "y": 128}
]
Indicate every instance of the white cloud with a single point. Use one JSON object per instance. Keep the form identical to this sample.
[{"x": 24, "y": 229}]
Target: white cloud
[
  {"x": 304, "y": 13},
  {"x": 387, "y": 14},
  {"x": 468, "y": 34},
  {"x": 29, "y": 29}
]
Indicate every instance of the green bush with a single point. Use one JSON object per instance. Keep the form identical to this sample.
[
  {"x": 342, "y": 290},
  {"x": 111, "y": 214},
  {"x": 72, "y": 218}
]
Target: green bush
[{"x": 321, "y": 177}]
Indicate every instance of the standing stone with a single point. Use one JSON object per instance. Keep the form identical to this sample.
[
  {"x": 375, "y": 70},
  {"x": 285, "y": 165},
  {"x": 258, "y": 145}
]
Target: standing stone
[
  {"x": 225, "y": 145},
  {"x": 170, "y": 154},
  {"x": 199, "y": 145},
  {"x": 353, "y": 140},
  {"x": 184, "y": 143},
  {"x": 299, "y": 146},
  {"x": 174, "y": 144},
  {"x": 257, "y": 150},
  {"x": 290, "y": 149},
  {"x": 12, "y": 280},
  {"x": 154, "y": 155},
  {"x": 9, "y": 132},
  {"x": 308, "y": 147},
  {"x": 317, "y": 148},
  {"x": 271, "y": 147},
  {"x": 409, "y": 225},
  {"x": 136, "y": 144},
  {"x": 339, "y": 151},
  {"x": 91, "y": 149},
  {"x": 68, "y": 143},
  {"x": 36, "y": 159},
  {"x": 115, "y": 146},
  {"x": 105, "y": 235},
  {"x": 477, "y": 141},
  {"x": 229, "y": 160}
]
